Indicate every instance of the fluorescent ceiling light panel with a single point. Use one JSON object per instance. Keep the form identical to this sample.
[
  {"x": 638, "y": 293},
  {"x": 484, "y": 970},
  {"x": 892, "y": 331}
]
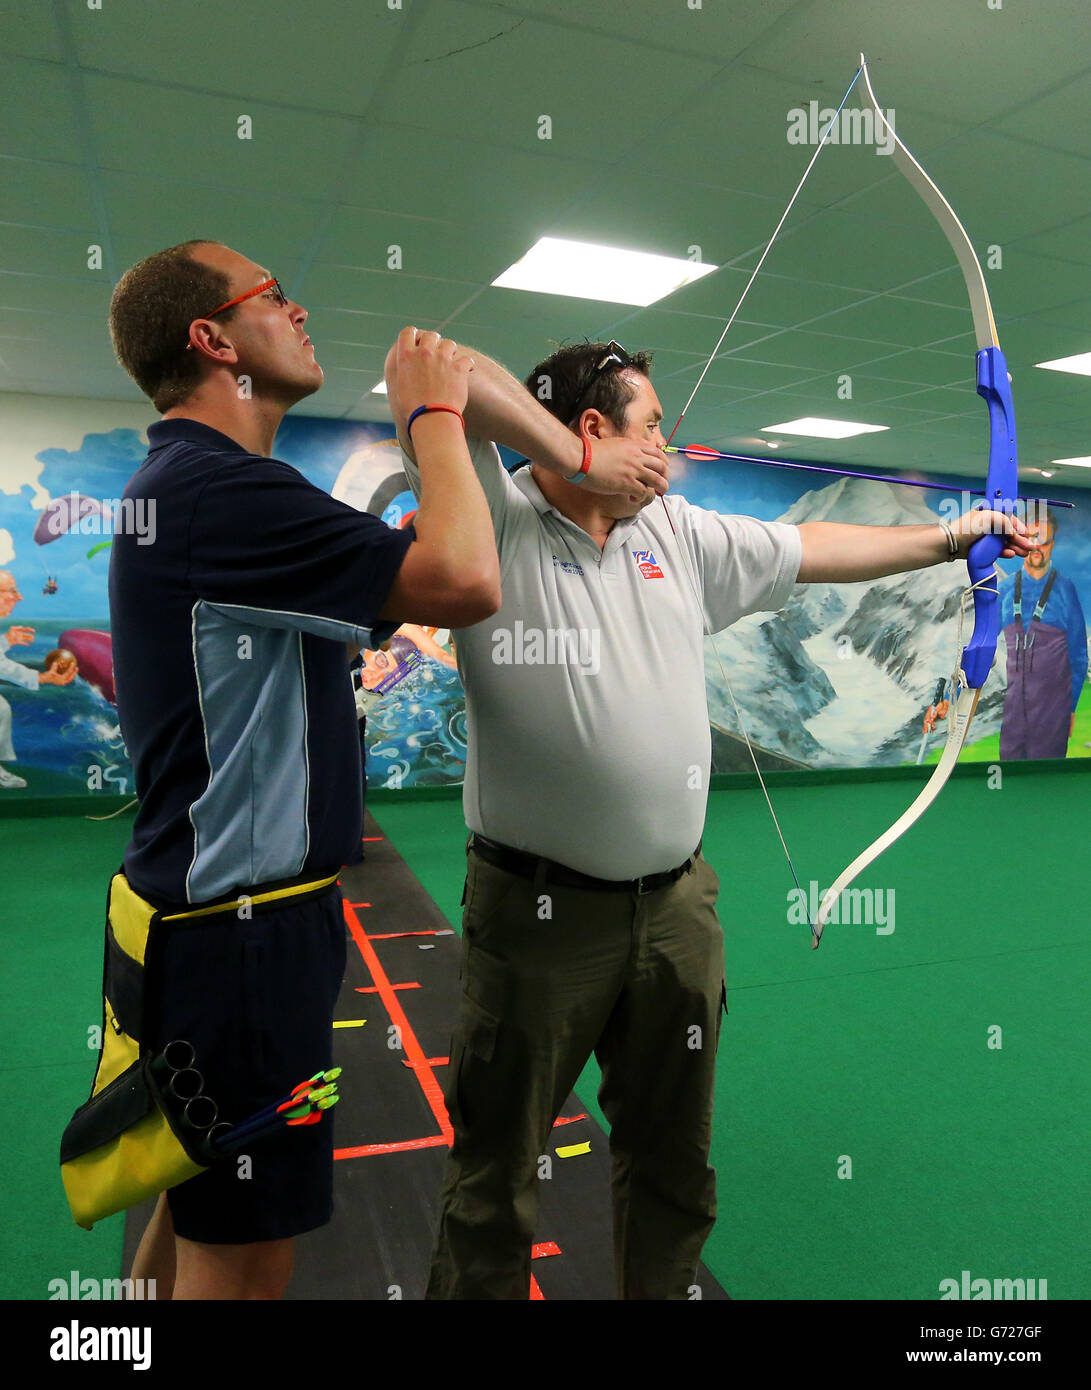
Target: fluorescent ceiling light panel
[
  {"x": 585, "y": 271},
  {"x": 379, "y": 390},
  {"x": 1073, "y": 463},
  {"x": 1080, "y": 365},
  {"x": 823, "y": 429}
]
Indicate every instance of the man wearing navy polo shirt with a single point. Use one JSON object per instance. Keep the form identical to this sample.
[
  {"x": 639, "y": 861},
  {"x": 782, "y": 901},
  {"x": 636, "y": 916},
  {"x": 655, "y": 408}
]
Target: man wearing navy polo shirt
[{"x": 229, "y": 637}]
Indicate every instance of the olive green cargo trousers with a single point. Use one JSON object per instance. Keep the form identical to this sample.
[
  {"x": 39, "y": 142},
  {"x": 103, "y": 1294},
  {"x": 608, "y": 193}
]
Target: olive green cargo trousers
[{"x": 551, "y": 973}]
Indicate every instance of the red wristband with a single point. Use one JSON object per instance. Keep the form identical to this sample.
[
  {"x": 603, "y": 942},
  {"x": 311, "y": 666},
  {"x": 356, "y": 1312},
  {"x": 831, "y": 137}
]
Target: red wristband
[
  {"x": 581, "y": 472},
  {"x": 424, "y": 409}
]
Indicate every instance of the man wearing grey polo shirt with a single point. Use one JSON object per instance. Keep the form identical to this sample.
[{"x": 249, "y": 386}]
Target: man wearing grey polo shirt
[{"x": 590, "y": 921}]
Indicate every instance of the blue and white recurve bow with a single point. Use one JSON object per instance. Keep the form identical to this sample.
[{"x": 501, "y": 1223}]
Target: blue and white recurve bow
[{"x": 1001, "y": 489}]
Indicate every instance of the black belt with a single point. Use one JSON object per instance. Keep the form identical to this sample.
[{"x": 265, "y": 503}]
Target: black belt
[{"x": 517, "y": 861}]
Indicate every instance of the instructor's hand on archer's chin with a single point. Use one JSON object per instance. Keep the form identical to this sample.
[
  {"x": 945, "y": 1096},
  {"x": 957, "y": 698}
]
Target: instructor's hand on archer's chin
[{"x": 629, "y": 467}]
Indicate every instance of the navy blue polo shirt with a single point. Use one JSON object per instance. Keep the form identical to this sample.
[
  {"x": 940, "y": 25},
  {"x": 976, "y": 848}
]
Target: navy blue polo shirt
[{"x": 229, "y": 617}]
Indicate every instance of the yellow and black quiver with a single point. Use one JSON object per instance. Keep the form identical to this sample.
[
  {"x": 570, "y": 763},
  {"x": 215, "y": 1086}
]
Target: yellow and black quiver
[{"x": 146, "y": 1125}]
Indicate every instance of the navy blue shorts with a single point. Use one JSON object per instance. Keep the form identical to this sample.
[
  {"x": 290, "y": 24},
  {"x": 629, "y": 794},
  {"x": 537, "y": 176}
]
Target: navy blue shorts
[{"x": 256, "y": 1000}]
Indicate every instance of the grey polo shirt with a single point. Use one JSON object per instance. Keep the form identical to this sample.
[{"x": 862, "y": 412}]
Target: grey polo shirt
[{"x": 587, "y": 723}]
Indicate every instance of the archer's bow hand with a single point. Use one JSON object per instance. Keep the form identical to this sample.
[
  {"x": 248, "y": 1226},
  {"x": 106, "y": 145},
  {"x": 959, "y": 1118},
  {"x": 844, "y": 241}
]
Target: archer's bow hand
[{"x": 979, "y": 521}]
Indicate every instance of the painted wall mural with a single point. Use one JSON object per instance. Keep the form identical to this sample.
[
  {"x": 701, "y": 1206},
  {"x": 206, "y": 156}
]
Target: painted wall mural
[{"x": 844, "y": 676}]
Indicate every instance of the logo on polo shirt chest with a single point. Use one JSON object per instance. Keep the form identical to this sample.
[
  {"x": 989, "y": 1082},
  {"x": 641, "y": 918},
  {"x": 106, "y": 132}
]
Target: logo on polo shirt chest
[{"x": 646, "y": 564}]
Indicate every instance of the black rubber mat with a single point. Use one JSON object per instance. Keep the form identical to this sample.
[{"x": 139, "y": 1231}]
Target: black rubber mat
[{"x": 397, "y": 1007}]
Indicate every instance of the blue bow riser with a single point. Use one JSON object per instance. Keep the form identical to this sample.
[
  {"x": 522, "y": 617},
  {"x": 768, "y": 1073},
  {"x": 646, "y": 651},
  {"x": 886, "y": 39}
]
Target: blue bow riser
[{"x": 1000, "y": 488}]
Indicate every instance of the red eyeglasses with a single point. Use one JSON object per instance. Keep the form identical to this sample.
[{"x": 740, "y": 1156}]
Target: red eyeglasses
[{"x": 280, "y": 297}]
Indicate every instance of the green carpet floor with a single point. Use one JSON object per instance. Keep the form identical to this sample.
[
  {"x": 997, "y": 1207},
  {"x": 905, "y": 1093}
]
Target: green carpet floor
[
  {"x": 58, "y": 871},
  {"x": 872, "y": 1051},
  {"x": 875, "y": 1048}
]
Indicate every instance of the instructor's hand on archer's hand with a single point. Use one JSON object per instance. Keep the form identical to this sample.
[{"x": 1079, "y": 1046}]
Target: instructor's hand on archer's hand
[
  {"x": 424, "y": 369},
  {"x": 631, "y": 467}
]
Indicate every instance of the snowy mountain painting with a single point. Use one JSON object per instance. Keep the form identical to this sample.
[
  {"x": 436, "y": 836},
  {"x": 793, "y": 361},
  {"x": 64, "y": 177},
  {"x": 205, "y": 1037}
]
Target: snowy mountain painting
[{"x": 844, "y": 673}]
